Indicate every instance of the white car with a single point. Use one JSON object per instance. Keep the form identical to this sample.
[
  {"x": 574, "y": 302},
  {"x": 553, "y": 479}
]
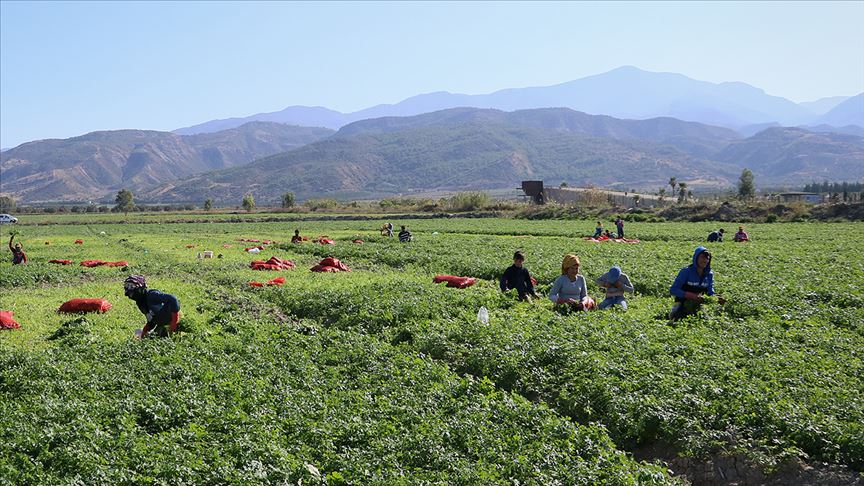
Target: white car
[{"x": 7, "y": 218}]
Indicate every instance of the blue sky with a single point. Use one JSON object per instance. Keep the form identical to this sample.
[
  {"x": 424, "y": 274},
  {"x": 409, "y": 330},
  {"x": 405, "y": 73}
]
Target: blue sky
[{"x": 69, "y": 68}]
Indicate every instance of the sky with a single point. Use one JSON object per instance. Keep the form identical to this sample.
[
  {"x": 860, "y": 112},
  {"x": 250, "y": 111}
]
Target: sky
[{"x": 68, "y": 68}]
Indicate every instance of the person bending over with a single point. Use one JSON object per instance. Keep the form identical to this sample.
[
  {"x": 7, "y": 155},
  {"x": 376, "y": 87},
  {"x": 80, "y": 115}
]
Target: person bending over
[{"x": 162, "y": 310}]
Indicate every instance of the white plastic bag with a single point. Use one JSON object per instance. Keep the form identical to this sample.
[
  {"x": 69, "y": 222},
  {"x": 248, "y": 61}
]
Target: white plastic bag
[
  {"x": 254, "y": 250},
  {"x": 483, "y": 315}
]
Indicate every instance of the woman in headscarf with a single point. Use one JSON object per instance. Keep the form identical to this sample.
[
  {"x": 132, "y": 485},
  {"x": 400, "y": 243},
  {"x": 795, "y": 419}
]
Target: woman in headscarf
[
  {"x": 162, "y": 310},
  {"x": 18, "y": 256},
  {"x": 569, "y": 290}
]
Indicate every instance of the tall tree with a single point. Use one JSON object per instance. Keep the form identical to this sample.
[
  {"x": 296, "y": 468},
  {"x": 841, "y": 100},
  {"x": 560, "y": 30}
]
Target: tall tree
[
  {"x": 125, "y": 201},
  {"x": 288, "y": 200},
  {"x": 7, "y": 204},
  {"x": 208, "y": 204},
  {"x": 682, "y": 192},
  {"x": 673, "y": 181},
  {"x": 248, "y": 202},
  {"x": 746, "y": 187}
]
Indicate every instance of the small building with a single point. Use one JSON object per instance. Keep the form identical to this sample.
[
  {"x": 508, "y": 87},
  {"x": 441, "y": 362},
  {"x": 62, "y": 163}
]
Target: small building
[{"x": 807, "y": 197}]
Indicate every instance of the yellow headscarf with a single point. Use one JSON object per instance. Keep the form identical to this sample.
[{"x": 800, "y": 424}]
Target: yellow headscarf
[{"x": 569, "y": 261}]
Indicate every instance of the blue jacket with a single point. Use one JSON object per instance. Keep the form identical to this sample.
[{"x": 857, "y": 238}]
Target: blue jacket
[
  {"x": 688, "y": 279},
  {"x": 154, "y": 301}
]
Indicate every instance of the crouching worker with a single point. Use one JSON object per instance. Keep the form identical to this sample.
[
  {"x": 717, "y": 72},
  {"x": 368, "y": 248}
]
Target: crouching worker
[
  {"x": 517, "y": 277},
  {"x": 568, "y": 290},
  {"x": 162, "y": 310},
  {"x": 615, "y": 283},
  {"x": 691, "y": 284},
  {"x": 405, "y": 236}
]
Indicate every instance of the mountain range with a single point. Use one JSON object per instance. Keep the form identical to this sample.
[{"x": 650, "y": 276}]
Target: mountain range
[
  {"x": 626, "y": 92},
  {"x": 651, "y": 126},
  {"x": 95, "y": 165},
  {"x": 469, "y": 148}
]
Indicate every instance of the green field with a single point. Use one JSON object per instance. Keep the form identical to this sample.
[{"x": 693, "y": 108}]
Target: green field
[{"x": 381, "y": 376}]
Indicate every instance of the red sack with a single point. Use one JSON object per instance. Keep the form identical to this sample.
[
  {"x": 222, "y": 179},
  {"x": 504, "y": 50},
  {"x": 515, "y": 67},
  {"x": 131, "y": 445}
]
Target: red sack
[
  {"x": 335, "y": 263},
  {"x": 92, "y": 263},
  {"x": 325, "y": 268},
  {"x": 456, "y": 282},
  {"x": 7, "y": 322},
  {"x": 589, "y": 304},
  {"x": 256, "y": 284},
  {"x": 190, "y": 246},
  {"x": 274, "y": 263},
  {"x": 79, "y": 242},
  {"x": 267, "y": 242},
  {"x": 276, "y": 281},
  {"x": 85, "y": 305},
  {"x": 121, "y": 263},
  {"x": 61, "y": 262},
  {"x": 252, "y": 247},
  {"x": 358, "y": 242},
  {"x": 326, "y": 241},
  {"x": 249, "y": 240}
]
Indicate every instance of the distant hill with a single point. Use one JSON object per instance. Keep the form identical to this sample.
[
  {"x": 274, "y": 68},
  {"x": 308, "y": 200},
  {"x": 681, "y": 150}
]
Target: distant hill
[
  {"x": 786, "y": 155},
  {"x": 626, "y": 92},
  {"x": 97, "y": 164},
  {"x": 849, "y": 112},
  {"x": 471, "y": 149},
  {"x": 823, "y": 105}
]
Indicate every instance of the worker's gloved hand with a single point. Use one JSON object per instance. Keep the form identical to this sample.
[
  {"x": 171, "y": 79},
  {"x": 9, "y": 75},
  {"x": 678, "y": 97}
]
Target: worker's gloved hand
[
  {"x": 693, "y": 296},
  {"x": 175, "y": 320}
]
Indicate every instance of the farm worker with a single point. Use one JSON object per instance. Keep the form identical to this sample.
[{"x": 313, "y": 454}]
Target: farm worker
[
  {"x": 296, "y": 238},
  {"x": 619, "y": 223},
  {"x": 609, "y": 235},
  {"x": 598, "y": 230},
  {"x": 517, "y": 277},
  {"x": 160, "y": 308},
  {"x": 389, "y": 228},
  {"x": 691, "y": 283},
  {"x": 569, "y": 288},
  {"x": 716, "y": 236},
  {"x": 405, "y": 235},
  {"x": 18, "y": 255},
  {"x": 741, "y": 235},
  {"x": 615, "y": 283}
]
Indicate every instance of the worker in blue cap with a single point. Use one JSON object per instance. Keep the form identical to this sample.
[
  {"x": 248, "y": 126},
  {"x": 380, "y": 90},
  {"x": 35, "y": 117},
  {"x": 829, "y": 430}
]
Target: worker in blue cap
[{"x": 615, "y": 283}]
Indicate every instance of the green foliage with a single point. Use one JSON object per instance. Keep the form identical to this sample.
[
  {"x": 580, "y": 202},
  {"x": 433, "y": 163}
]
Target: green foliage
[
  {"x": 248, "y": 203},
  {"x": 316, "y": 204},
  {"x": 288, "y": 200},
  {"x": 746, "y": 185},
  {"x": 468, "y": 201},
  {"x": 381, "y": 376},
  {"x": 208, "y": 204},
  {"x": 7, "y": 204},
  {"x": 124, "y": 201}
]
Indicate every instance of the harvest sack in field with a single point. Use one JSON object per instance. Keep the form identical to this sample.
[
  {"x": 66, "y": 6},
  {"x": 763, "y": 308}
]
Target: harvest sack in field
[
  {"x": 61, "y": 262},
  {"x": 325, "y": 241},
  {"x": 100, "y": 263},
  {"x": 606, "y": 238},
  {"x": 330, "y": 264},
  {"x": 455, "y": 282},
  {"x": 275, "y": 281},
  {"x": 85, "y": 305},
  {"x": 79, "y": 242},
  {"x": 256, "y": 248},
  {"x": 274, "y": 263},
  {"x": 358, "y": 242},
  {"x": 7, "y": 322}
]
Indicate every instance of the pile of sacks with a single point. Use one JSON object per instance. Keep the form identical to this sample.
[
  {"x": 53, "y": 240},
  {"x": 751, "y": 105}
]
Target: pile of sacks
[
  {"x": 330, "y": 264},
  {"x": 274, "y": 263}
]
